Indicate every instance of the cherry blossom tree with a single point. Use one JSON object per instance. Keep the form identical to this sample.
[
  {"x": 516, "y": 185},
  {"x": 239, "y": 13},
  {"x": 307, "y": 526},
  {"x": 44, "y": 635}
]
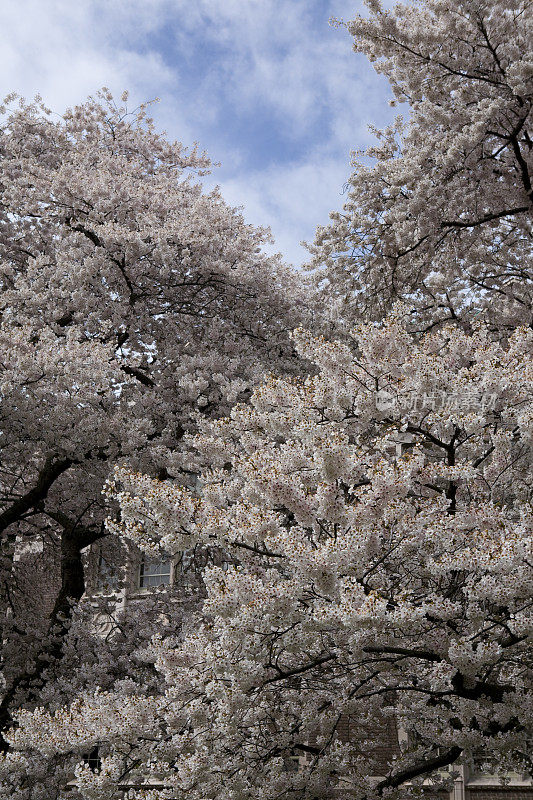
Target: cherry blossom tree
[
  {"x": 439, "y": 209},
  {"x": 132, "y": 303},
  {"x": 375, "y": 516},
  {"x": 377, "y": 526}
]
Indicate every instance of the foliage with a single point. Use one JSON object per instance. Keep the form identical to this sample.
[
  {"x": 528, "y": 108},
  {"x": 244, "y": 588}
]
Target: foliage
[
  {"x": 375, "y": 515},
  {"x": 442, "y": 215},
  {"x": 132, "y": 303},
  {"x": 362, "y": 581}
]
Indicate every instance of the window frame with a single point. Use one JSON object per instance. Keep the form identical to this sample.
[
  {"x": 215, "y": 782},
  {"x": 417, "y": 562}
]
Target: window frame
[
  {"x": 142, "y": 574},
  {"x": 107, "y": 581}
]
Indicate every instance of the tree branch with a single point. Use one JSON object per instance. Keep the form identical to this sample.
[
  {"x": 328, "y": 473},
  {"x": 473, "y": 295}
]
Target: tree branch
[
  {"x": 422, "y": 768},
  {"x": 426, "y": 655},
  {"x": 136, "y": 373},
  {"x": 487, "y": 218},
  {"x": 47, "y": 476},
  {"x": 299, "y": 670}
]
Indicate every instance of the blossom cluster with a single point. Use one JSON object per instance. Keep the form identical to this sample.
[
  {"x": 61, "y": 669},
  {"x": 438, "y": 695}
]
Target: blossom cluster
[{"x": 361, "y": 577}]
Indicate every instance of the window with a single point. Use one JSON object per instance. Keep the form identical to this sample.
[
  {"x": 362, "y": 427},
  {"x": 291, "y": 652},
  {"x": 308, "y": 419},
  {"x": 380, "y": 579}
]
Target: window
[
  {"x": 93, "y": 760},
  {"x": 154, "y": 573},
  {"x": 106, "y": 576}
]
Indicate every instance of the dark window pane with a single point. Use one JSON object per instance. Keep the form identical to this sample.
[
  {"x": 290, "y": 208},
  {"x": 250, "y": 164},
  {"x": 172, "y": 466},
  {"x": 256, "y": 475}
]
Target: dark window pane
[{"x": 154, "y": 573}]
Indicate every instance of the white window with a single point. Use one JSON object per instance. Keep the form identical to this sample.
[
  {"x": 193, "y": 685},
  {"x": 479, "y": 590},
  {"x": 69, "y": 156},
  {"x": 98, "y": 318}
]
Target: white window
[
  {"x": 154, "y": 572},
  {"x": 93, "y": 760},
  {"x": 106, "y": 577}
]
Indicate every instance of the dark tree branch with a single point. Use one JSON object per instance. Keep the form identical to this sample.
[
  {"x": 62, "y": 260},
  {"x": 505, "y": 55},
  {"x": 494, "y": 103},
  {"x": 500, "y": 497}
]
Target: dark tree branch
[
  {"x": 425, "y": 655},
  {"x": 74, "y": 538},
  {"x": 509, "y": 212},
  {"x": 298, "y": 670},
  {"x": 50, "y": 472},
  {"x": 136, "y": 373},
  {"x": 422, "y": 768}
]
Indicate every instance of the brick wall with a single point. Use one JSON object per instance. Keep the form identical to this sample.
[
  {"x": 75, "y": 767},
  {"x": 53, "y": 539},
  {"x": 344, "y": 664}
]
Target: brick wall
[
  {"x": 385, "y": 735},
  {"x": 499, "y": 793},
  {"x": 36, "y": 580}
]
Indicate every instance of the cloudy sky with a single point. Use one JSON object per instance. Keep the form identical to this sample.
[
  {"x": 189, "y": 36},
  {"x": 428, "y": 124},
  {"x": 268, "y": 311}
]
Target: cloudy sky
[{"x": 268, "y": 87}]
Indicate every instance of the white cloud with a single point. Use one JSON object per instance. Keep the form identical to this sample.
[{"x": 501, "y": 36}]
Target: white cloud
[
  {"x": 281, "y": 57},
  {"x": 62, "y": 51},
  {"x": 274, "y": 58},
  {"x": 292, "y": 200},
  {"x": 305, "y": 75}
]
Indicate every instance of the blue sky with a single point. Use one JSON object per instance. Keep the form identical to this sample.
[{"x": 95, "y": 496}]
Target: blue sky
[{"x": 267, "y": 87}]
